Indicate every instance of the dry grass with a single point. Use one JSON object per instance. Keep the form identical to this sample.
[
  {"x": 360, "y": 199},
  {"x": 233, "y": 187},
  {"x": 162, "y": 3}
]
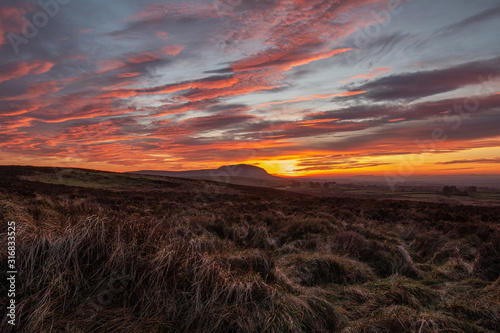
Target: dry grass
[{"x": 139, "y": 257}]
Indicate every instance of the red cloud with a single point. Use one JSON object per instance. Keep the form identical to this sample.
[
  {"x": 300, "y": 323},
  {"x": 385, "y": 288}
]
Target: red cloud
[
  {"x": 372, "y": 73},
  {"x": 20, "y": 69},
  {"x": 97, "y": 111},
  {"x": 281, "y": 59},
  {"x": 202, "y": 85},
  {"x": 119, "y": 94},
  {"x": 85, "y": 31},
  {"x": 109, "y": 65},
  {"x": 2, "y": 40},
  {"x": 162, "y": 34},
  {"x": 313, "y": 97},
  {"x": 10, "y": 18},
  {"x": 124, "y": 75},
  {"x": 172, "y": 50},
  {"x": 15, "y": 123},
  {"x": 143, "y": 57}
]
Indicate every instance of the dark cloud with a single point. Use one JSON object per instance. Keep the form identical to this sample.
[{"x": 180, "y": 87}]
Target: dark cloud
[
  {"x": 409, "y": 111},
  {"x": 216, "y": 121},
  {"x": 479, "y": 160},
  {"x": 412, "y": 86},
  {"x": 479, "y": 18},
  {"x": 404, "y": 136},
  {"x": 320, "y": 165},
  {"x": 228, "y": 107}
]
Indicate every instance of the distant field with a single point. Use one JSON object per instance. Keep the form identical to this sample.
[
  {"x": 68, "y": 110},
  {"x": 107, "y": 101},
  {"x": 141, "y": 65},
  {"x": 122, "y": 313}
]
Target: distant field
[
  {"x": 110, "y": 252},
  {"x": 476, "y": 199}
]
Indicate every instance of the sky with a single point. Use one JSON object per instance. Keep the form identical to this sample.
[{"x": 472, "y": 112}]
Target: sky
[{"x": 298, "y": 87}]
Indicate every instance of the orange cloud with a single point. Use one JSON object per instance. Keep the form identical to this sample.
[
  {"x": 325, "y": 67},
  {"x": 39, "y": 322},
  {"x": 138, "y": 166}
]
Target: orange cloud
[
  {"x": 87, "y": 114},
  {"x": 36, "y": 90},
  {"x": 14, "y": 113},
  {"x": 22, "y": 122},
  {"x": 162, "y": 34},
  {"x": 313, "y": 97},
  {"x": 85, "y": 31},
  {"x": 20, "y": 69},
  {"x": 281, "y": 59},
  {"x": 118, "y": 94},
  {"x": 172, "y": 50},
  {"x": 215, "y": 93},
  {"x": 203, "y": 85},
  {"x": 173, "y": 88},
  {"x": 9, "y": 18},
  {"x": 316, "y": 121},
  {"x": 109, "y": 65},
  {"x": 143, "y": 57},
  {"x": 124, "y": 75},
  {"x": 372, "y": 73}
]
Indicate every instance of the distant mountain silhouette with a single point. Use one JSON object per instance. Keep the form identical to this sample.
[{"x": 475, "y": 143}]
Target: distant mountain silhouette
[
  {"x": 224, "y": 173},
  {"x": 245, "y": 170}
]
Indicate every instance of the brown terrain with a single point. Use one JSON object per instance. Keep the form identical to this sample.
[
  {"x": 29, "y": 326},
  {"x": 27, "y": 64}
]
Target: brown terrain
[{"x": 109, "y": 252}]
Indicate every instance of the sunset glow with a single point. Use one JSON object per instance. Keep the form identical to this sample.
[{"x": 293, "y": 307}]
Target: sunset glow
[{"x": 300, "y": 88}]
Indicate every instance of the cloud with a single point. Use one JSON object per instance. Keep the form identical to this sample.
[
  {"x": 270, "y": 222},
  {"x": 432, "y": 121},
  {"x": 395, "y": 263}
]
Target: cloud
[
  {"x": 11, "y": 14},
  {"x": 35, "y": 90},
  {"x": 418, "y": 137},
  {"x": 211, "y": 88},
  {"x": 85, "y": 31},
  {"x": 479, "y": 160},
  {"x": 20, "y": 69},
  {"x": 479, "y": 18},
  {"x": 371, "y": 74},
  {"x": 314, "y": 97},
  {"x": 448, "y": 110},
  {"x": 323, "y": 164},
  {"x": 126, "y": 75},
  {"x": 415, "y": 85},
  {"x": 216, "y": 121},
  {"x": 143, "y": 57},
  {"x": 282, "y": 59},
  {"x": 172, "y": 50}
]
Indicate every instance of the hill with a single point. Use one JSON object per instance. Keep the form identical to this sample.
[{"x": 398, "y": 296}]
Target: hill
[
  {"x": 243, "y": 174},
  {"x": 110, "y": 252}
]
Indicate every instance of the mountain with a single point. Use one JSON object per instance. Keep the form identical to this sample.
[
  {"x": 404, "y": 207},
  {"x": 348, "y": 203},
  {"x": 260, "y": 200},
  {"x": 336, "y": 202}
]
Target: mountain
[
  {"x": 245, "y": 170},
  {"x": 238, "y": 173}
]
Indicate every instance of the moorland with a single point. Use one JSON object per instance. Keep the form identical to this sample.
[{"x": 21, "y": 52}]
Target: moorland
[{"x": 110, "y": 252}]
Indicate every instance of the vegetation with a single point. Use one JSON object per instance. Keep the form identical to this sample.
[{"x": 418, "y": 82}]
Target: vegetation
[{"x": 107, "y": 252}]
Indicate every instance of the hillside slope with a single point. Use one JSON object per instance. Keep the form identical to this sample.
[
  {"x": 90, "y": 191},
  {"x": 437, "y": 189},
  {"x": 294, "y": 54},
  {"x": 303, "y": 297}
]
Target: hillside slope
[{"x": 240, "y": 173}]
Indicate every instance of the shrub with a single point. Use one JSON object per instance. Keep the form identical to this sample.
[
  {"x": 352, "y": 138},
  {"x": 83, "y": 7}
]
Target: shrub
[
  {"x": 487, "y": 262},
  {"x": 315, "y": 269},
  {"x": 401, "y": 319}
]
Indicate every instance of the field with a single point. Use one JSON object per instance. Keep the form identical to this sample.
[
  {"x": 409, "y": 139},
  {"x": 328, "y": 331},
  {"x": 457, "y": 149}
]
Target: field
[
  {"x": 110, "y": 252},
  {"x": 433, "y": 194}
]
